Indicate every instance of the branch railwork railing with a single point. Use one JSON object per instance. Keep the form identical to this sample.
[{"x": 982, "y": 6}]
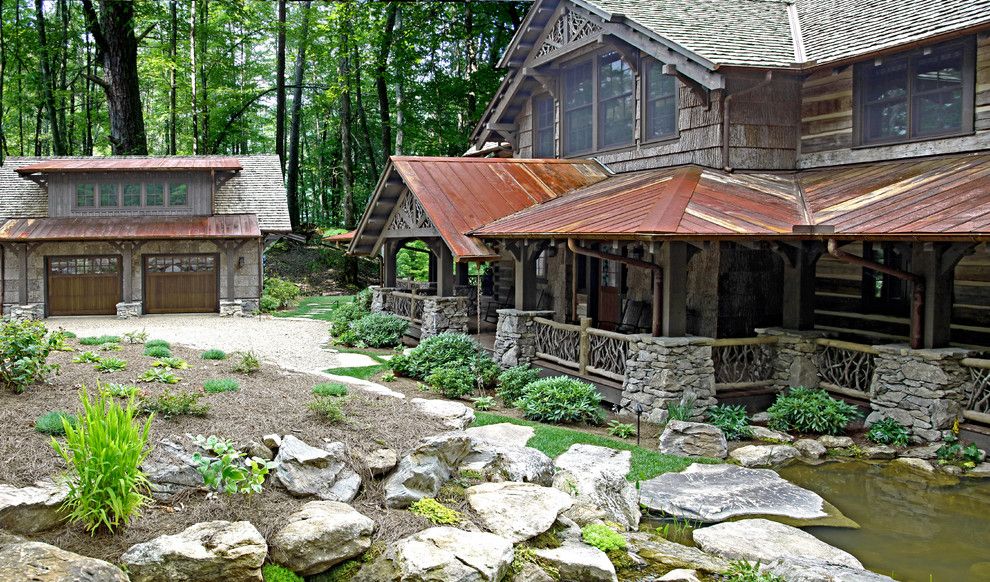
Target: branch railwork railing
[
  {"x": 408, "y": 305},
  {"x": 846, "y": 368},
  {"x": 586, "y": 349},
  {"x": 746, "y": 362},
  {"x": 978, "y": 404}
]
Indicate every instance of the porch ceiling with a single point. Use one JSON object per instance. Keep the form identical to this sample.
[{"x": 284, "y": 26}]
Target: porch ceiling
[{"x": 228, "y": 226}]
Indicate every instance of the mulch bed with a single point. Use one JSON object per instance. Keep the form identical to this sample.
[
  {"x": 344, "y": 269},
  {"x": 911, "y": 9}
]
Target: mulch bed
[{"x": 269, "y": 401}]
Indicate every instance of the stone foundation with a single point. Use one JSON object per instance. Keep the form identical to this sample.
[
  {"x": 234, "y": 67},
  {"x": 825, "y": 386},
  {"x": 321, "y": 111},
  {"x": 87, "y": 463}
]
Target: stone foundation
[
  {"x": 381, "y": 298},
  {"x": 662, "y": 370},
  {"x": 129, "y": 309},
  {"x": 794, "y": 363},
  {"x": 441, "y": 314},
  {"x": 28, "y": 311},
  {"x": 250, "y": 306},
  {"x": 470, "y": 294},
  {"x": 923, "y": 390},
  {"x": 515, "y": 336},
  {"x": 231, "y": 308}
]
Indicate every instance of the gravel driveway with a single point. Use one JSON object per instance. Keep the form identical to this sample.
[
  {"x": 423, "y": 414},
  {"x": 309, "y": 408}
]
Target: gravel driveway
[{"x": 295, "y": 344}]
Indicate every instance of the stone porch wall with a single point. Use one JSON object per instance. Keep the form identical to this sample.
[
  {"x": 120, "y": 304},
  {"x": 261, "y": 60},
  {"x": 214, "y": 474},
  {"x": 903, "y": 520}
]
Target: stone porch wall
[
  {"x": 669, "y": 370},
  {"x": 443, "y": 314}
]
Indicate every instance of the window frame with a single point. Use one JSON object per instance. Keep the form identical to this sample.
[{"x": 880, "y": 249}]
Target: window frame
[
  {"x": 861, "y": 80},
  {"x": 645, "y": 65},
  {"x": 538, "y": 128},
  {"x": 592, "y": 105},
  {"x": 75, "y": 196},
  {"x": 599, "y": 101}
]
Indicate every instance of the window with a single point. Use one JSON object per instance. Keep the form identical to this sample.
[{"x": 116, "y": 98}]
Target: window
[
  {"x": 85, "y": 195},
  {"x": 883, "y": 293},
  {"x": 178, "y": 194},
  {"x": 925, "y": 93},
  {"x": 543, "y": 146},
  {"x": 154, "y": 195},
  {"x": 577, "y": 108},
  {"x": 541, "y": 265},
  {"x": 615, "y": 101},
  {"x": 659, "y": 103},
  {"x": 109, "y": 197},
  {"x": 132, "y": 195},
  {"x": 181, "y": 264}
]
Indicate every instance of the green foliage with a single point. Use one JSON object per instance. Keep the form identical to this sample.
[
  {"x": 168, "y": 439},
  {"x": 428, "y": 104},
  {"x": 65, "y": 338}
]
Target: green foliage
[
  {"x": 87, "y": 358},
  {"x": 378, "y": 330},
  {"x": 388, "y": 377},
  {"x": 327, "y": 407},
  {"x": 51, "y": 422},
  {"x": 104, "y": 452},
  {"x": 268, "y": 304},
  {"x": 218, "y": 385},
  {"x": 169, "y": 404},
  {"x": 99, "y": 340},
  {"x": 276, "y": 573},
  {"x": 136, "y": 337},
  {"x": 110, "y": 347},
  {"x": 170, "y": 363},
  {"x": 248, "y": 364},
  {"x": 621, "y": 430},
  {"x": 443, "y": 350},
  {"x": 412, "y": 264},
  {"x": 682, "y": 410},
  {"x": 512, "y": 382},
  {"x": 278, "y": 294},
  {"x": 343, "y": 316},
  {"x": 359, "y": 372},
  {"x": 24, "y": 349},
  {"x": 107, "y": 365},
  {"x": 811, "y": 411},
  {"x": 888, "y": 432},
  {"x": 952, "y": 452},
  {"x": 732, "y": 419},
  {"x": 160, "y": 375},
  {"x": 452, "y": 381},
  {"x": 484, "y": 403},
  {"x": 330, "y": 389},
  {"x": 227, "y": 470},
  {"x": 118, "y": 390},
  {"x": 436, "y": 512},
  {"x": 603, "y": 537},
  {"x": 157, "y": 351},
  {"x": 676, "y": 530},
  {"x": 364, "y": 298},
  {"x": 214, "y": 354},
  {"x": 560, "y": 400},
  {"x": 157, "y": 343},
  {"x": 743, "y": 571}
]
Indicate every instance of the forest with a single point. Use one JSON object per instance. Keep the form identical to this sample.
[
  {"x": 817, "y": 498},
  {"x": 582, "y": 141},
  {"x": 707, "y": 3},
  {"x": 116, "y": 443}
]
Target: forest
[{"x": 333, "y": 88}]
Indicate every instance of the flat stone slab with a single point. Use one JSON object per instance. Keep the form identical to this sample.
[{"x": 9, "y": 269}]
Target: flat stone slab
[
  {"x": 504, "y": 433},
  {"x": 453, "y": 414},
  {"x": 715, "y": 493},
  {"x": 765, "y": 541}
]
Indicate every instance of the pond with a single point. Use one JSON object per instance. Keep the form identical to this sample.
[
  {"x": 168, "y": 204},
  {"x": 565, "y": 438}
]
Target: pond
[{"x": 914, "y": 528}]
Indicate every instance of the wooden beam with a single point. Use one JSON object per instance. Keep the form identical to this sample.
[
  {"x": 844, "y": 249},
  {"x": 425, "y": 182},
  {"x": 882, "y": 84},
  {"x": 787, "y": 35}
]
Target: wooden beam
[
  {"x": 674, "y": 318},
  {"x": 389, "y": 252},
  {"x": 799, "y": 284},
  {"x": 935, "y": 262},
  {"x": 445, "y": 271}
]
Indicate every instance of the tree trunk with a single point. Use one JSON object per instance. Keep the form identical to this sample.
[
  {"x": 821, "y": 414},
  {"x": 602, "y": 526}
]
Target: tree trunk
[
  {"x": 192, "y": 75},
  {"x": 63, "y": 66},
  {"x": 280, "y": 86},
  {"x": 292, "y": 178},
  {"x": 362, "y": 116},
  {"x": 204, "y": 101},
  {"x": 380, "y": 80},
  {"x": 3, "y": 74},
  {"x": 173, "y": 54},
  {"x": 399, "y": 94},
  {"x": 47, "y": 83},
  {"x": 345, "y": 133},
  {"x": 20, "y": 83}
]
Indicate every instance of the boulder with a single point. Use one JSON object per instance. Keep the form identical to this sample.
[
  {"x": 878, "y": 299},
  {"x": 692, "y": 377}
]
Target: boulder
[
  {"x": 913, "y": 464},
  {"x": 762, "y": 433},
  {"x": 504, "y": 433},
  {"x": 761, "y": 417},
  {"x": 680, "y": 575},
  {"x": 426, "y": 468},
  {"x": 835, "y": 442},
  {"x": 319, "y": 536},
  {"x": 659, "y": 551},
  {"x": 272, "y": 441},
  {"x": 927, "y": 452},
  {"x": 509, "y": 463},
  {"x": 452, "y": 414},
  {"x": 212, "y": 551},
  {"x": 878, "y": 452},
  {"x": 530, "y": 572},
  {"x": 21, "y": 559},
  {"x": 764, "y": 455},
  {"x": 981, "y": 470},
  {"x": 256, "y": 449},
  {"x": 811, "y": 449},
  {"x": 596, "y": 476},
  {"x": 693, "y": 439},
  {"x": 516, "y": 511},
  {"x": 764, "y": 541},
  {"x": 441, "y": 554},
  {"x": 25, "y": 510},
  {"x": 714, "y": 493},
  {"x": 171, "y": 469},
  {"x": 380, "y": 461},
  {"x": 800, "y": 569},
  {"x": 579, "y": 562},
  {"x": 308, "y": 471}
]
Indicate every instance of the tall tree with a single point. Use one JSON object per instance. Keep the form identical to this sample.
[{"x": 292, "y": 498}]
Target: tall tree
[
  {"x": 192, "y": 76},
  {"x": 292, "y": 171},
  {"x": 48, "y": 82},
  {"x": 345, "y": 132},
  {"x": 280, "y": 85},
  {"x": 173, "y": 53},
  {"x": 381, "y": 83},
  {"x": 400, "y": 116},
  {"x": 3, "y": 76}
]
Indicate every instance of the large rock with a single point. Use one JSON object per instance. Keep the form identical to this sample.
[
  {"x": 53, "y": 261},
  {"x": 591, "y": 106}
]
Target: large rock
[
  {"x": 321, "y": 535},
  {"x": 171, "y": 469},
  {"x": 714, "y": 493},
  {"x": 764, "y": 541},
  {"x": 762, "y": 433},
  {"x": 442, "y": 554},
  {"x": 798, "y": 569},
  {"x": 835, "y": 442},
  {"x": 596, "y": 476},
  {"x": 380, "y": 461},
  {"x": 680, "y": 575},
  {"x": 693, "y": 439},
  {"x": 426, "y": 468},
  {"x": 21, "y": 559},
  {"x": 517, "y": 511},
  {"x": 212, "y": 551},
  {"x": 27, "y": 510},
  {"x": 453, "y": 414},
  {"x": 509, "y": 463},
  {"x": 811, "y": 449},
  {"x": 764, "y": 455},
  {"x": 579, "y": 562},
  {"x": 504, "y": 433},
  {"x": 308, "y": 471},
  {"x": 659, "y": 551}
]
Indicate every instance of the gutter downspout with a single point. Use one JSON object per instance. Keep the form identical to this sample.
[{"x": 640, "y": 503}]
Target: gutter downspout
[
  {"x": 726, "y": 106},
  {"x": 657, "y": 277},
  {"x": 917, "y": 291}
]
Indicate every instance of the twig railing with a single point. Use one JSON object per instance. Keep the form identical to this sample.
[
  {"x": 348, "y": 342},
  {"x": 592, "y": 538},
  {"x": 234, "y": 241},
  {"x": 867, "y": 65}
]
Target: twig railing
[
  {"x": 845, "y": 368},
  {"x": 586, "y": 349},
  {"x": 408, "y": 305},
  {"x": 978, "y": 404},
  {"x": 742, "y": 363}
]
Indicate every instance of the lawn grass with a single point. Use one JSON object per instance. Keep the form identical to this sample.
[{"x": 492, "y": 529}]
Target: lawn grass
[
  {"x": 309, "y": 307},
  {"x": 554, "y": 440},
  {"x": 359, "y": 372}
]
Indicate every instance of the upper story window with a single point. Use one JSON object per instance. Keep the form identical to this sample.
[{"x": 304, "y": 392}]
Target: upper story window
[
  {"x": 659, "y": 103},
  {"x": 921, "y": 94},
  {"x": 578, "y": 116},
  {"x": 178, "y": 194},
  {"x": 132, "y": 195},
  {"x": 109, "y": 198},
  {"x": 543, "y": 127},
  {"x": 154, "y": 195},
  {"x": 85, "y": 195},
  {"x": 616, "y": 105}
]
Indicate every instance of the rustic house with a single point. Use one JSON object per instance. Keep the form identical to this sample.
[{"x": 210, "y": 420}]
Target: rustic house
[
  {"x": 129, "y": 236},
  {"x": 709, "y": 200}
]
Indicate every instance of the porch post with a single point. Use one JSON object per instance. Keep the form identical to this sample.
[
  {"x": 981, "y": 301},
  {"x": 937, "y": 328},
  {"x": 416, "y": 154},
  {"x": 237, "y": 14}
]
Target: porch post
[
  {"x": 462, "y": 273},
  {"x": 126, "y": 270},
  {"x": 674, "y": 255},
  {"x": 524, "y": 272},
  {"x": 25, "y": 252},
  {"x": 389, "y": 252},
  {"x": 445, "y": 270},
  {"x": 936, "y": 263},
  {"x": 799, "y": 285}
]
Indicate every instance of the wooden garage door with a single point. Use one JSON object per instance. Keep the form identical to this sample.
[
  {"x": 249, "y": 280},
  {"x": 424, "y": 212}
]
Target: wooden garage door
[
  {"x": 181, "y": 283},
  {"x": 83, "y": 285}
]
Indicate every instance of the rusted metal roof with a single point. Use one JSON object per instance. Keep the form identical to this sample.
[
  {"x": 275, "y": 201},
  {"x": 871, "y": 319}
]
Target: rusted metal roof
[
  {"x": 228, "y": 226},
  {"x": 462, "y": 194},
  {"x": 125, "y": 164},
  {"x": 344, "y": 237}
]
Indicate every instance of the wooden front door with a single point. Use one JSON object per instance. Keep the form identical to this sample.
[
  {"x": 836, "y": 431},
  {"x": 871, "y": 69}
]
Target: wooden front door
[
  {"x": 85, "y": 285},
  {"x": 181, "y": 283},
  {"x": 608, "y": 295}
]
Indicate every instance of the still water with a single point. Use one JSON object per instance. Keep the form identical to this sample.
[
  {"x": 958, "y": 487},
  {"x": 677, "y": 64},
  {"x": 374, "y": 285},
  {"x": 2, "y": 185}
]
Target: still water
[{"x": 913, "y": 528}]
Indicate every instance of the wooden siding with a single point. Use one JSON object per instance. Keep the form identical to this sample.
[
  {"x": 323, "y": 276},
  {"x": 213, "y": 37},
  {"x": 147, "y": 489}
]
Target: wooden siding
[{"x": 61, "y": 193}]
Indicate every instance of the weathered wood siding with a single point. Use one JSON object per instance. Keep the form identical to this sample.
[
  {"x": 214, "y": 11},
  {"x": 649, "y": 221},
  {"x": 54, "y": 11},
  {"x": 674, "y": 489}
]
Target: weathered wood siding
[{"x": 61, "y": 193}]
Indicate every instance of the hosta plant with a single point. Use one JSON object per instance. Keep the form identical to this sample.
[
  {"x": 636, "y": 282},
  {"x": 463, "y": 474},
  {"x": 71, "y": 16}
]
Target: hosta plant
[
  {"x": 136, "y": 336},
  {"x": 809, "y": 410},
  {"x": 111, "y": 347},
  {"x": 87, "y": 358},
  {"x": 170, "y": 363},
  {"x": 107, "y": 365},
  {"x": 228, "y": 470},
  {"x": 621, "y": 430},
  {"x": 160, "y": 375},
  {"x": 118, "y": 390},
  {"x": 732, "y": 419},
  {"x": 889, "y": 432}
]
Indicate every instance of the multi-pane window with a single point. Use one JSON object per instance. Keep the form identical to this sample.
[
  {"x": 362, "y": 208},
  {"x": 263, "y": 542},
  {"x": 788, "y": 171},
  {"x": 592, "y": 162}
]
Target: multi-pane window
[
  {"x": 543, "y": 127},
  {"x": 132, "y": 195},
  {"x": 578, "y": 115},
  {"x": 109, "y": 197},
  {"x": 85, "y": 195},
  {"x": 925, "y": 93},
  {"x": 84, "y": 265},
  {"x": 181, "y": 264},
  {"x": 154, "y": 194},
  {"x": 659, "y": 103},
  {"x": 178, "y": 194},
  {"x": 616, "y": 103}
]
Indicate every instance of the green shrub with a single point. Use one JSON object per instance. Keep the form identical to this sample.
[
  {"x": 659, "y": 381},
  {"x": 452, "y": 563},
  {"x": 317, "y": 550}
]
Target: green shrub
[
  {"x": 280, "y": 293},
  {"x": 561, "y": 399},
  {"x": 136, "y": 337},
  {"x": 483, "y": 403},
  {"x": 952, "y": 452},
  {"x": 732, "y": 419},
  {"x": 621, "y": 430},
  {"x": 452, "y": 381},
  {"x": 343, "y": 316},
  {"x": 444, "y": 350},
  {"x": 603, "y": 537},
  {"x": 810, "y": 411},
  {"x": 118, "y": 390},
  {"x": 214, "y": 355},
  {"x": 743, "y": 571},
  {"x": 267, "y": 304},
  {"x": 104, "y": 452},
  {"x": 249, "y": 364},
  {"x": 683, "y": 410},
  {"x": 889, "y": 432},
  {"x": 110, "y": 347},
  {"x": 24, "y": 349},
  {"x": 217, "y": 385},
  {"x": 436, "y": 512},
  {"x": 379, "y": 330},
  {"x": 363, "y": 298},
  {"x": 107, "y": 365},
  {"x": 330, "y": 389},
  {"x": 87, "y": 358},
  {"x": 157, "y": 343},
  {"x": 67, "y": 334},
  {"x": 276, "y": 573},
  {"x": 160, "y": 375},
  {"x": 512, "y": 382},
  {"x": 157, "y": 351},
  {"x": 51, "y": 422},
  {"x": 228, "y": 470},
  {"x": 99, "y": 340},
  {"x": 169, "y": 404},
  {"x": 328, "y": 407},
  {"x": 388, "y": 377}
]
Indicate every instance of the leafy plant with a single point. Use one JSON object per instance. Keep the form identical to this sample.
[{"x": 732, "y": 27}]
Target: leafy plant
[
  {"x": 276, "y": 573},
  {"x": 732, "y": 419},
  {"x": 330, "y": 389},
  {"x": 603, "y": 537},
  {"x": 157, "y": 351},
  {"x": 452, "y": 381},
  {"x": 436, "y": 512},
  {"x": 228, "y": 470},
  {"x": 218, "y": 385},
  {"x": 160, "y": 375},
  {"x": 388, "y": 377},
  {"x": 621, "y": 430},
  {"x": 952, "y": 452},
  {"x": 170, "y": 363},
  {"x": 743, "y": 571},
  {"x": 888, "y": 431},
  {"x": 87, "y": 358},
  {"x": 377, "y": 330},
  {"x": 343, "y": 316},
  {"x": 214, "y": 354},
  {"x": 484, "y": 403},
  {"x": 51, "y": 422},
  {"x": 683, "y": 410},
  {"x": 107, "y": 365},
  {"x": 136, "y": 337},
  {"x": 512, "y": 382},
  {"x": 328, "y": 407},
  {"x": 110, "y": 347},
  {"x": 99, "y": 340},
  {"x": 157, "y": 343},
  {"x": 169, "y": 404},
  {"x": 810, "y": 411},
  {"x": 561, "y": 399},
  {"x": 281, "y": 293},
  {"x": 249, "y": 364},
  {"x": 24, "y": 349},
  {"x": 118, "y": 390},
  {"x": 267, "y": 304},
  {"x": 445, "y": 350},
  {"x": 676, "y": 530},
  {"x": 104, "y": 452},
  {"x": 363, "y": 298}
]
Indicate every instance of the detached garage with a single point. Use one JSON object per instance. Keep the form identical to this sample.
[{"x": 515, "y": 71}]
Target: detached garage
[
  {"x": 181, "y": 283},
  {"x": 83, "y": 285}
]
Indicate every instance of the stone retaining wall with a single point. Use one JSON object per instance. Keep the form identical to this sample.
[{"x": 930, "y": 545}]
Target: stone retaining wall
[
  {"x": 662, "y": 370},
  {"x": 442, "y": 314},
  {"x": 381, "y": 298},
  {"x": 515, "y": 337}
]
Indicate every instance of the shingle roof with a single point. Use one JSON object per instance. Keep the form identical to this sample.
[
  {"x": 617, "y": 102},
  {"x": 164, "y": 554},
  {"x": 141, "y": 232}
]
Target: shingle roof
[{"x": 256, "y": 189}]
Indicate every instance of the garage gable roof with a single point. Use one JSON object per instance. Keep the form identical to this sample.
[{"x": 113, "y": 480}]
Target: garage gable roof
[{"x": 130, "y": 228}]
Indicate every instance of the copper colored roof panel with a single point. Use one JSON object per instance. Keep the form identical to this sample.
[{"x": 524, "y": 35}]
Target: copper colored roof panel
[
  {"x": 228, "y": 226},
  {"x": 125, "y": 164},
  {"x": 342, "y": 237}
]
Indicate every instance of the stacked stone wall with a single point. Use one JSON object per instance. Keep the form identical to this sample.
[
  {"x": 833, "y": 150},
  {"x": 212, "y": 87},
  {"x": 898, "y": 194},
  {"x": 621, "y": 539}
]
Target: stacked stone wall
[
  {"x": 443, "y": 314},
  {"x": 665, "y": 370},
  {"x": 515, "y": 337},
  {"x": 795, "y": 362}
]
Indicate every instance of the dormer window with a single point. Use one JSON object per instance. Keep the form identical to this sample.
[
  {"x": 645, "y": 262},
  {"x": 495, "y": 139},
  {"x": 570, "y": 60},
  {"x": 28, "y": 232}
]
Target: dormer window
[
  {"x": 154, "y": 194},
  {"x": 616, "y": 106},
  {"x": 659, "y": 103},
  {"x": 85, "y": 195}
]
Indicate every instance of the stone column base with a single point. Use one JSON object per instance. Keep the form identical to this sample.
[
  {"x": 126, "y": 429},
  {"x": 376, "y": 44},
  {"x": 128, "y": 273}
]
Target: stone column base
[
  {"x": 795, "y": 363},
  {"x": 669, "y": 370},
  {"x": 443, "y": 314},
  {"x": 129, "y": 309},
  {"x": 515, "y": 336},
  {"x": 231, "y": 308},
  {"x": 27, "y": 311},
  {"x": 381, "y": 298}
]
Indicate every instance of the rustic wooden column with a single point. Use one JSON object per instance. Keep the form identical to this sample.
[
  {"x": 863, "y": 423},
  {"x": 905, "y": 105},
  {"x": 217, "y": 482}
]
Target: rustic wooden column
[
  {"x": 799, "y": 284},
  {"x": 674, "y": 254},
  {"x": 463, "y": 277},
  {"x": 445, "y": 270},
  {"x": 524, "y": 272},
  {"x": 389, "y": 263},
  {"x": 127, "y": 270},
  {"x": 25, "y": 252},
  {"x": 936, "y": 262}
]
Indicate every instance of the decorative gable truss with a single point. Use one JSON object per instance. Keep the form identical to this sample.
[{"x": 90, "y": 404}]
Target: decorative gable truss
[
  {"x": 570, "y": 27},
  {"x": 410, "y": 220}
]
